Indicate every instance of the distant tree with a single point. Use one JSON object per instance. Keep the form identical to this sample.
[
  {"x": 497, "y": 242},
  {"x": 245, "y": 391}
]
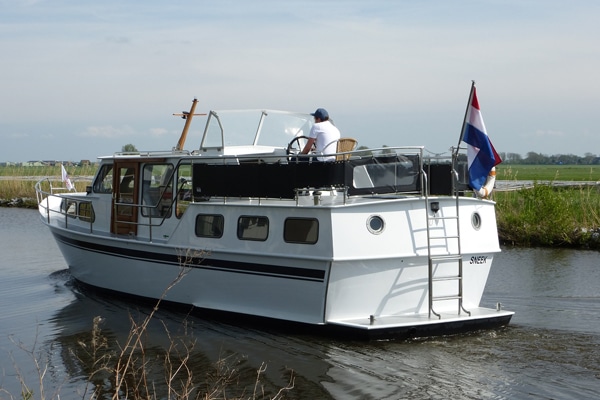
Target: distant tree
[
  {"x": 512, "y": 158},
  {"x": 129, "y": 148},
  {"x": 365, "y": 150},
  {"x": 588, "y": 158},
  {"x": 536, "y": 158},
  {"x": 566, "y": 159}
]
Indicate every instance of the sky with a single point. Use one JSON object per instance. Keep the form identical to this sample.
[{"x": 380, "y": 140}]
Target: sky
[{"x": 81, "y": 79}]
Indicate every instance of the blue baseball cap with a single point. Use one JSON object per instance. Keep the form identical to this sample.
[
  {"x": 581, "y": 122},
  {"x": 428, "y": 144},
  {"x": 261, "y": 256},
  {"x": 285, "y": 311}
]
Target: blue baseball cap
[{"x": 321, "y": 113}]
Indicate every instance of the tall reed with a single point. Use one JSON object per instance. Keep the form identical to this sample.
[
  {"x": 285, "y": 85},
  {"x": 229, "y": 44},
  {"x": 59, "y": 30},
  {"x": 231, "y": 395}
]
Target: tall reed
[{"x": 19, "y": 181}]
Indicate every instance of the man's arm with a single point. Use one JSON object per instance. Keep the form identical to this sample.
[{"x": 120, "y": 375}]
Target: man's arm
[{"x": 309, "y": 145}]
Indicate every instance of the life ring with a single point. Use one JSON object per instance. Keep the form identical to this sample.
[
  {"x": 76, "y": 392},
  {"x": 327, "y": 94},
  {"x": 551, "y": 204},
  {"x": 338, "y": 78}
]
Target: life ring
[{"x": 487, "y": 188}]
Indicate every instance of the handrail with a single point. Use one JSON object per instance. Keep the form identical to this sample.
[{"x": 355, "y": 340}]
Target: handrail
[{"x": 77, "y": 200}]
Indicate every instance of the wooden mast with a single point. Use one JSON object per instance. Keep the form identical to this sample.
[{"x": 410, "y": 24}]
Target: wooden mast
[{"x": 188, "y": 120}]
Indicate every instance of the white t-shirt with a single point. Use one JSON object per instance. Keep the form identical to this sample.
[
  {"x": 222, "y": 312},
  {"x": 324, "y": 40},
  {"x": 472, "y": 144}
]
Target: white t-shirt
[{"x": 325, "y": 133}]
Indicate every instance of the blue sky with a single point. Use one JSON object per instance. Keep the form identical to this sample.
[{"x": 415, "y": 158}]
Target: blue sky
[{"x": 81, "y": 79}]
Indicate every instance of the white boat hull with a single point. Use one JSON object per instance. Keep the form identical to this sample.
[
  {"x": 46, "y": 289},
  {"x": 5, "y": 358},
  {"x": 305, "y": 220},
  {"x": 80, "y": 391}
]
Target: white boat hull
[{"x": 353, "y": 287}]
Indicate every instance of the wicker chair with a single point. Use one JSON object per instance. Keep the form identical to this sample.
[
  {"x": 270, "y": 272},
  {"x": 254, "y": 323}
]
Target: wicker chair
[{"x": 344, "y": 145}]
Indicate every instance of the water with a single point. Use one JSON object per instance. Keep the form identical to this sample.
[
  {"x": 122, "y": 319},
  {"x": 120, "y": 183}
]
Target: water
[{"x": 549, "y": 351}]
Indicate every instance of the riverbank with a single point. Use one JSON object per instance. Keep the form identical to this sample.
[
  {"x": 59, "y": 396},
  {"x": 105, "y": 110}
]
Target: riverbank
[
  {"x": 21, "y": 202},
  {"x": 547, "y": 215}
]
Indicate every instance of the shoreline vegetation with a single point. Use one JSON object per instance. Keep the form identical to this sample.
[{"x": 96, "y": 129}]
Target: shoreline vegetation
[{"x": 544, "y": 214}]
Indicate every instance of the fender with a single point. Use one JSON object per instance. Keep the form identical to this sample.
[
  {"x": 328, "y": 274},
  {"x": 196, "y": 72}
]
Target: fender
[{"x": 486, "y": 189}]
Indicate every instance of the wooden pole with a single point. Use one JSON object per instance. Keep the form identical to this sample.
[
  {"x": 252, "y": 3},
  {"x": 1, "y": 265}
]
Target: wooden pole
[{"x": 186, "y": 127}]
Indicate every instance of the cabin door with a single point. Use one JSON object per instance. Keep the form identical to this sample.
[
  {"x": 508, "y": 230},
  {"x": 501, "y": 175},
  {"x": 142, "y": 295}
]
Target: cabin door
[{"x": 124, "y": 215}]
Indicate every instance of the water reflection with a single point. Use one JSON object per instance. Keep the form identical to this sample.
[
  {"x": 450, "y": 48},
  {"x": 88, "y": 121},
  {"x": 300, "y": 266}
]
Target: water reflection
[{"x": 214, "y": 347}]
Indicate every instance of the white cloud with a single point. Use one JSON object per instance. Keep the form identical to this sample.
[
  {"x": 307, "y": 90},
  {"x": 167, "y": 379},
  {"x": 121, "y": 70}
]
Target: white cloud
[
  {"x": 160, "y": 132},
  {"x": 108, "y": 131},
  {"x": 18, "y": 135},
  {"x": 548, "y": 133}
]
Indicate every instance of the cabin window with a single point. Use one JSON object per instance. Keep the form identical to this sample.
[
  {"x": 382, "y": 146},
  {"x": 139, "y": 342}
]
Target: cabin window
[
  {"x": 157, "y": 190},
  {"x": 184, "y": 189},
  {"x": 375, "y": 224},
  {"x": 104, "y": 179},
  {"x": 253, "y": 228},
  {"x": 301, "y": 230},
  {"x": 210, "y": 225},
  {"x": 70, "y": 207},
  {"x": 86, "y": 212}
]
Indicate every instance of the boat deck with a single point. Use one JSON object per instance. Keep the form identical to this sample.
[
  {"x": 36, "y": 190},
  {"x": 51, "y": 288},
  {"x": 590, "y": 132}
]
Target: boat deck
[{"x": 419, "y": 325}]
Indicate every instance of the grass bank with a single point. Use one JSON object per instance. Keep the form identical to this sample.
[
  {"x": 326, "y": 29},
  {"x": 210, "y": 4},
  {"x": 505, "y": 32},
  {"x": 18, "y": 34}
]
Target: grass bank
[
  {"x": 548, "y": 173},
  {"x": 548, "y": 215},
  {"x": 545, "y": 215},
  {"x": 17, "y": 183}
]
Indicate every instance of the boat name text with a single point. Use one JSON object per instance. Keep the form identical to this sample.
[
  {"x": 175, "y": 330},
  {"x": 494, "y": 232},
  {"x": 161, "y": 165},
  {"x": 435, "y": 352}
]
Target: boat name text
[{"x": 479, "y": 260}]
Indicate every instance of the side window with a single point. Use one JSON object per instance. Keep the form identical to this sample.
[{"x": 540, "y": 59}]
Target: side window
[
  {"x": 70, "y": 207},
  {"x": 253, "y": 228},
  {"x": 104, "y": 179},
  {"x": 157, "y": 190},
  {"x": 184, "y": 188},
  {"x": 209, "y": 225},
  {"x": 301, "y": 230},
  {"x": 86, "y": 212}
]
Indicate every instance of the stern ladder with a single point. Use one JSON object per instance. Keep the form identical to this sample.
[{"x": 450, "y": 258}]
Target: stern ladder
[{"x": 438, "y": 228}]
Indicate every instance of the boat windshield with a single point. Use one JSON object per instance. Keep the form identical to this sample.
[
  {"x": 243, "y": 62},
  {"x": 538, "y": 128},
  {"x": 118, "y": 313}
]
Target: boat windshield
[{"x": 254, "y": 128}]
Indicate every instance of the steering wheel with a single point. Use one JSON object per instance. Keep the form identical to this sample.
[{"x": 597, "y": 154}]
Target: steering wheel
[{"x": 295, "y": 147}]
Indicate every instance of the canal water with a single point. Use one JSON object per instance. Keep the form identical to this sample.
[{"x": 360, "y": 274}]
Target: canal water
[{"x": 551, "y": 349}]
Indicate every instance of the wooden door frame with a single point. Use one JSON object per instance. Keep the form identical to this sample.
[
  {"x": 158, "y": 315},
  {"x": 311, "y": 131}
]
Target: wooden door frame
[{"x": 124, "y": 219}]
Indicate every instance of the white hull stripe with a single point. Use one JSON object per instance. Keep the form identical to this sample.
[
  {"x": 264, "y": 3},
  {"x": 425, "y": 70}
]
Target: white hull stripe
[{"x": 275, "y": 271}]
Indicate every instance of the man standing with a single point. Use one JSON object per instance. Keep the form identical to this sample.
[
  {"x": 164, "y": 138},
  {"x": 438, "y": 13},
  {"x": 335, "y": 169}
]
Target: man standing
[{"x": 323, "y": 135}]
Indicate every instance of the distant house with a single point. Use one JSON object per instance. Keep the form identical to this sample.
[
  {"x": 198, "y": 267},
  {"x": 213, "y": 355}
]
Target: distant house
[{"x": 34, "y": 164}]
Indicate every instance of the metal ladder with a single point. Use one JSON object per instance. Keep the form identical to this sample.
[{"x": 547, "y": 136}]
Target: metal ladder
[{"x": 431, "y": 211}]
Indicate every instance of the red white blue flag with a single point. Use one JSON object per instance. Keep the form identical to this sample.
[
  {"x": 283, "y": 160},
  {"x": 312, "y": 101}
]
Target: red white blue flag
[{"x": 481, "y": 155}]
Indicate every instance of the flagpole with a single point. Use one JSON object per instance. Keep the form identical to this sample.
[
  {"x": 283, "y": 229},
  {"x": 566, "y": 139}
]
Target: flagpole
[{"x": 462, "y": 130}]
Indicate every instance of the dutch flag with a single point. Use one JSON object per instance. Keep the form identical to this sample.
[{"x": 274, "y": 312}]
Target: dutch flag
[{"x": 481, "y": 155}]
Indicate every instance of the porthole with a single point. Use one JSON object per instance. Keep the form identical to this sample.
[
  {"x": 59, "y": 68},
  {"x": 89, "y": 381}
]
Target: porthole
[
  {"x": 375, "y": 224},
  {"x": 476, "y": 221}
]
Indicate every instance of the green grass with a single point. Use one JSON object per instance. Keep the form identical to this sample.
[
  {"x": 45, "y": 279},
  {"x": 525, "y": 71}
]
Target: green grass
[
  {"x": 47, "y": 171},
  {"x": 549, "y": 216},
  {"x": 25, "y": 178},
  {"x": 548, "y": 172}
]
